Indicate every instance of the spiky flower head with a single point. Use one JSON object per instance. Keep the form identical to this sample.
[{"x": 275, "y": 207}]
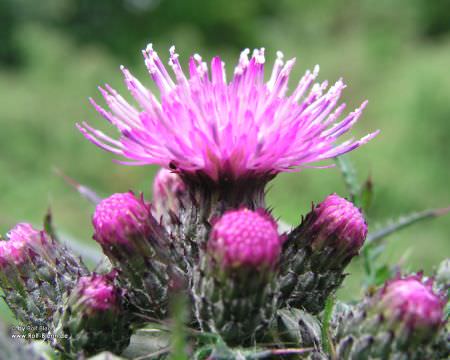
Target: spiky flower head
[
  {"x": 121, "y": 218},
  {"x": 98, "y": 293},
  {"x": 17, "y": 248},
  {"x": 205, "y": 126},
  {"x": 168, "y": 188},
  {"x": 410, "y": 304},
  {"x": 137, "y": 245},
  {"x": 245, "y": 238},
  {"x": 339, "y": 224},
  {"x": 36, "y": 271},
  {"x": 92, "y": 318}
]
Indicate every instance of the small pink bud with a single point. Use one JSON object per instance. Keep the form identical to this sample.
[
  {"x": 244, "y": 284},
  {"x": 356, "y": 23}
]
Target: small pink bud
[
  {"x": 98, "y": 293},
  {"x": 21, "y": 239},
  {"x": 413, "y": 305},
  {"x": 337, "y": 223},
  {"x": 121, "y": 218},
  {"x": 245, "y": 238},
  {"x": 167, "y": 189}
]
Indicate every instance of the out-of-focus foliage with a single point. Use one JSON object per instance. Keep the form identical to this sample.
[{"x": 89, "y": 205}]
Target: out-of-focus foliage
[{"x": 54, "y": 53}]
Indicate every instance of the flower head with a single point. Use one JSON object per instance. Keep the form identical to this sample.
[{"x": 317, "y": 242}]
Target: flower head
[
  {"x": 336, "y": 222},
  {"x": 16, "y": 249},
  {"x": 412, "y": 303},
  {"x": 121, "y": 217},
  {"x": 245, "y": 238},
  {"x": 242, "y": 128},
  {"x": 97, "y": 292}
]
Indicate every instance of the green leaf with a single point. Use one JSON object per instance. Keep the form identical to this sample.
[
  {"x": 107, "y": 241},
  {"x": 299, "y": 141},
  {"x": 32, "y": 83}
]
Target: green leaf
[
  {"x": 148, "y": 342},
  {"x": 289, "y": 324},
  {"x": 350, "y": 178},
  {"x": 382, "y": 274},
  {"x": 48, "y": 224},
  {"x": 366, "y": 194},
  {"x": 298, "y": 327},
  {"x": 327, "y": 342},
  {"x": 402, "y": 222},
  {"x": 179, "y": 344}
]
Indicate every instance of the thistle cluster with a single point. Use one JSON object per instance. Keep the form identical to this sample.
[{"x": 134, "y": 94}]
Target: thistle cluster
[{"x": 208, "y": 233}]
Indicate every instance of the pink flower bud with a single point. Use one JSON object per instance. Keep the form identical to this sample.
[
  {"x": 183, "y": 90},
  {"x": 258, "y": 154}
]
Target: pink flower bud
[
  {"x": 412, "y": 304},
  {"x": 21, "y": 239},
  {"x": 337, "y": 223},
  {"x": 121, "y": 218},
  {"x": 245, "y": 238},
  {"x": 98, "y": 293}
]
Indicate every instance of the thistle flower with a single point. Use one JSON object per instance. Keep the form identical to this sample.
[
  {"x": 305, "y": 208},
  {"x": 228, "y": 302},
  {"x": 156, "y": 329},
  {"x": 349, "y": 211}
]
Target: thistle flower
[
  {"x": 137, "y": 245},
  {"x": 92, "y": 318},
  {"x": 401, "y": 320},
  {"x": 204, "y": 126},
  {"x": 411, "y": 304},
  {"x": 121, "y": 218},
  {"x": 169, "y": 191},
  {"x": 317, "y": 252},
  {"x": 336, "y": 223},
  {"x": 36, "y": 270},
  {"x": 17, "y": 249},
  {"x": 98, "y": 293},
  {"x": 244, "y": 238},
  {"x": 234, "y": 286}
]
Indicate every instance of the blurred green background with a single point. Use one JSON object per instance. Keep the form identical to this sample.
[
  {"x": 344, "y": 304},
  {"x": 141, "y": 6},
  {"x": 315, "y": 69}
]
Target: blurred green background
[{"x": 396, "y": 53}]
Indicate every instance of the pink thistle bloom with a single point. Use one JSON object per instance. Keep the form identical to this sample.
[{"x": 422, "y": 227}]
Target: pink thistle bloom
[
  {"x": 337, "y": 223},
  {"x": 121, "y": 218},
  {"x": 412, "y": 304},
  {"x": 243, "y": 128},
  {"x": 16, "y": 249},
  {"x": 245, "y": 238},
  {"x": 98, "y": 293}
]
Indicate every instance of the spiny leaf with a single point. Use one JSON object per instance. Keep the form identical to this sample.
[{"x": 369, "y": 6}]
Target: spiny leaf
[
  {"x": 402, "y": 222},
  {"x": 48, "y": 224},
  {"x": 350, "y": 179},
  {"x": 366, "y": 194},
  {"x": 84, "y": 191}
]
